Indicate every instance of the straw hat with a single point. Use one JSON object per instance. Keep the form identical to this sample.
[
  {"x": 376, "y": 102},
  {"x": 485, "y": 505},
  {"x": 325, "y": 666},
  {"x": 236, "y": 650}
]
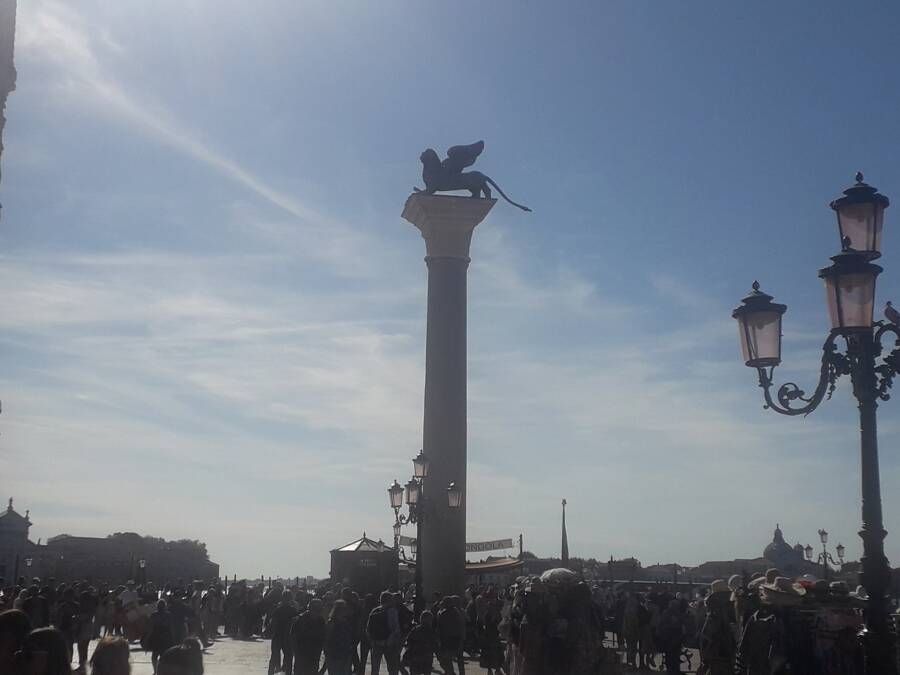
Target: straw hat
[
  {"x": 719, "y": 586},
  {"x": 860, "y": 593},
  {"x": 839, "y": 588},
  {"x": 782, "y": 591},
  {"x": 756, "y": 583}
]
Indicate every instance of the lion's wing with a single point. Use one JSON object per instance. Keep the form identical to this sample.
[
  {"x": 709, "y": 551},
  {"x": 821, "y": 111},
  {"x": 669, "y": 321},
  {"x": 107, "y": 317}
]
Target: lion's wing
[{"x": 461, "y": 156}]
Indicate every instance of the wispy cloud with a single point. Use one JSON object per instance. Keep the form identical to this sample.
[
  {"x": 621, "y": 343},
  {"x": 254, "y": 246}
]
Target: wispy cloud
[{"x": 189, "y": 393}]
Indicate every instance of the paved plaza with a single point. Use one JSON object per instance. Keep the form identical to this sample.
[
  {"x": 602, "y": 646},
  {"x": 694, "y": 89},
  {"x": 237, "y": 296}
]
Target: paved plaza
[{"x": 237, "y": 657}]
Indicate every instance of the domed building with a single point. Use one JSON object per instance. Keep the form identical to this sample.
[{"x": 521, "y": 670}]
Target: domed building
[{"x": 789, "y": 559}]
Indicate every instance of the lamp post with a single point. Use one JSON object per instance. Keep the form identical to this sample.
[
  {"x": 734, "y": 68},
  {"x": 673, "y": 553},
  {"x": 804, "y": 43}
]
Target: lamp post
[
  {"x": 850, "y": 292},
  {"x": 417, "y": 503},
  {"x": 825, "y": 557},
  {"x": 142, "y": 565}
]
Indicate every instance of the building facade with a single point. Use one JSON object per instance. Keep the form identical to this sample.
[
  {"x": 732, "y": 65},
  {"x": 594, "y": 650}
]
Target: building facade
[
  {"x": 116, "y": 558},
  {"x": 14, "y": 544}
]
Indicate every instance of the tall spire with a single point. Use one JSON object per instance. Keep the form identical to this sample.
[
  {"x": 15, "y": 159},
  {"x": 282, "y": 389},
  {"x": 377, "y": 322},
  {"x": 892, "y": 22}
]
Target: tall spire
[{"x": 565, "y": 537}]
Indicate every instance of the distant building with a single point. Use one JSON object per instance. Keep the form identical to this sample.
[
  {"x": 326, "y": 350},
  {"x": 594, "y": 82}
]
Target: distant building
[
  {"x": 123, "y": 556},
  {"x": 499, "y": 571},
  {"x": 366, "y": 565},
  {"x": 778, "y": 554},
  {"x": 14, "y": 544},
  {"x": 116, "y": 558}
]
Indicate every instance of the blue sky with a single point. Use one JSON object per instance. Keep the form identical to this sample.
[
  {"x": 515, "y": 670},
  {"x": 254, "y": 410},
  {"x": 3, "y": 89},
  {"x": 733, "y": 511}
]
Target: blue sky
[{"x": 213, "y": 315}]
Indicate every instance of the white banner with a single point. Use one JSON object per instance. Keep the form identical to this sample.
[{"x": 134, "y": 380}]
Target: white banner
[
  {"x": 495, "y": 545},
  {"x": 471, "y": 547}
]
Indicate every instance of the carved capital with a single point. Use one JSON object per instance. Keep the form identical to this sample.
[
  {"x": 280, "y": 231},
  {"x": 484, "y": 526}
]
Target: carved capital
[{"x": 446, "y": 222}]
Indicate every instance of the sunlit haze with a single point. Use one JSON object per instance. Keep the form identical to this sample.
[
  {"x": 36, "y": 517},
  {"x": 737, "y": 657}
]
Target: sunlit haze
[{"x": 212, "y": 317}]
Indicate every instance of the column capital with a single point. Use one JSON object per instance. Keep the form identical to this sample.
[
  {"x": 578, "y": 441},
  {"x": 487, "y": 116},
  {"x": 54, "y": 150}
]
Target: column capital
[{"x": 446, "y": 221}]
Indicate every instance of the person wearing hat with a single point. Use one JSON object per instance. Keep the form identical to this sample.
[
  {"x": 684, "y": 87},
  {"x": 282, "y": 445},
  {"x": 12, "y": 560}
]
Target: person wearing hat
[{"x": 717, "y": 643}]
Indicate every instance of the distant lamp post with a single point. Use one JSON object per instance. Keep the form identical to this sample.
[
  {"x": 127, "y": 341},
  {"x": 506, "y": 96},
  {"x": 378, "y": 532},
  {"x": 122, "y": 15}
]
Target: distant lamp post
[
  {"x": 825, "y": 557},
  {"x": 416, "y": 501},
  {"x": 850, "y": 293},
  {"x": 142, "y": 565},
  {"x": 28, "y": 562}
]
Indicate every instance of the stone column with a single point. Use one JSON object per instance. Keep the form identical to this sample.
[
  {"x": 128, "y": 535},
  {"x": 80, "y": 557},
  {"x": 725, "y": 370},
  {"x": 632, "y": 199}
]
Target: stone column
[
  {"x": 446, "y": 223},
  {"x": 7, "y": 68}
]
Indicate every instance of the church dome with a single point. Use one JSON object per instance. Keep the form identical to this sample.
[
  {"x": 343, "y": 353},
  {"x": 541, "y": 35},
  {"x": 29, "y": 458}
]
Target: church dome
[{"x": 779, "y": 551}]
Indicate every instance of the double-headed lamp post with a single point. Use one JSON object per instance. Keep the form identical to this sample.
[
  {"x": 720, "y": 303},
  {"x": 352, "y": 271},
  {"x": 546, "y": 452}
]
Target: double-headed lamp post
[
  {"x": 850, "y": 292},
  {"x": 417, "y": 503},
  {"x": 825, "y": 557}
]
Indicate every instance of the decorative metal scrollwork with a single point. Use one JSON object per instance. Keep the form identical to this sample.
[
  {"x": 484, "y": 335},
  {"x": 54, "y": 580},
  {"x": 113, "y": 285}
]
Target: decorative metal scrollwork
[
  {"x": 834, "y": 365},
  {"x": 890, "y": 365}
]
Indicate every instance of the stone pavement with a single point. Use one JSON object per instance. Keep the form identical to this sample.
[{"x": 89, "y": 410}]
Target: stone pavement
[
  {"x": 248, "y": 657},
  {"x": 237, "y": 657}
]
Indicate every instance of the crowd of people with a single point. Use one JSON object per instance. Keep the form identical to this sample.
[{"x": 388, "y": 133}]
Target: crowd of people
[{"x": 555, "y": 624}]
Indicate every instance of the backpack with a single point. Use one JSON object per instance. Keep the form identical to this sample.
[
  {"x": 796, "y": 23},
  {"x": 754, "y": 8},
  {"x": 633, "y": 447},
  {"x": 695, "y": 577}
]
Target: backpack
[{"x": 377, "y": 626}]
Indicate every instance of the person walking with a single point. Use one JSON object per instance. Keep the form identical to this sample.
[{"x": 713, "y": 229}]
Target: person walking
[
  {"x": 490, "y": 649},
  {"x": 671, "y": 636},
  {"x": 160, "y": 634},
  {"x": 451, "y": 626},
  {"x": 280, "y": 620},
  {"x": 420, "y": 646},
  {"x": 383, "y": 631},
  {"x": 339, "y": 640},
  {"x": 368, "y": 604},
  {"x": 308, "y": 638}
]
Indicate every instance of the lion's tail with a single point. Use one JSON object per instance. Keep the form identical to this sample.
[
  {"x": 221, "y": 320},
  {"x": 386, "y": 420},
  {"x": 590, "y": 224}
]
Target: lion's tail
[{"x": 503, "y": 194}]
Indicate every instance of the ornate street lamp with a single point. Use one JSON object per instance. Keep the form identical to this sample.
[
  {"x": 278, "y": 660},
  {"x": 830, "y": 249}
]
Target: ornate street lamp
[
  {"x": 397, "y": 537},
  {"x": 860, "y": 215},
  {"x": 420, "y": 465},
  {"x": 825, "y": 557},
  {"x": 413, "y": 488},
  {"x": 850, "y": 292},
  {"x": 759, "y": 324},
  {"x": 417, "y": 503},
  {"x": 395, "y": 493},
  {"x": 454, "y": 496}
]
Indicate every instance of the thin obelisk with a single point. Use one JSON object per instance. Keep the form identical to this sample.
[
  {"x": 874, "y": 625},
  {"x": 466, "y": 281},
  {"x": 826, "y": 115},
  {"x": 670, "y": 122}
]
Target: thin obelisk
[{"x": 446, "y": 223}]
